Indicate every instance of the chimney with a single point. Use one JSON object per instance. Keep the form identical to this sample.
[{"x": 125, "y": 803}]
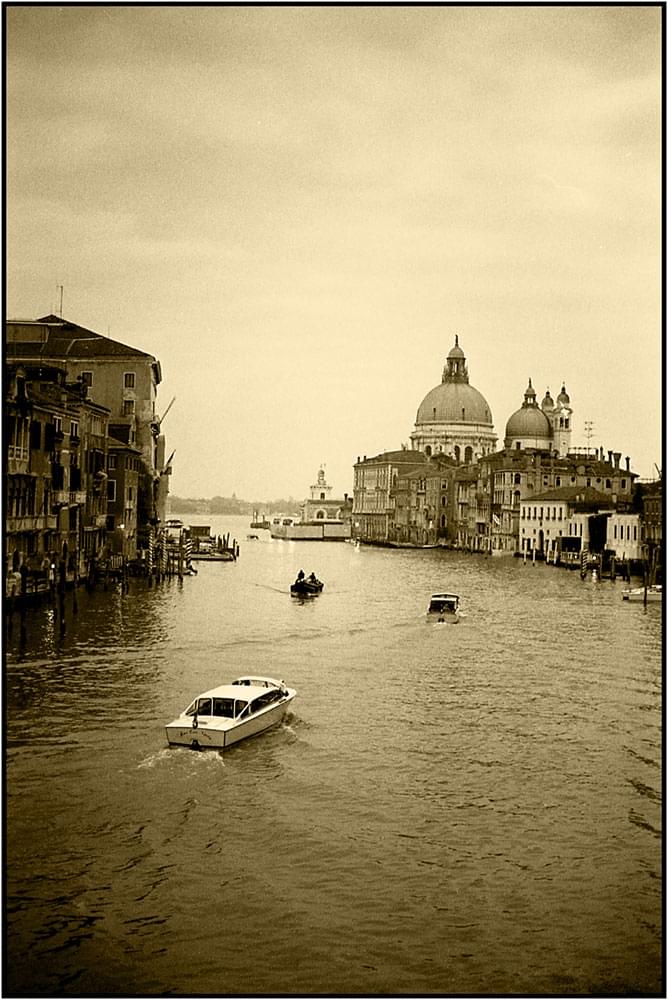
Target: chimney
[
  {"x": 618, "y": 455},
  {"x": 610, "y": 458},
  {"x": 628, "y": 463}
]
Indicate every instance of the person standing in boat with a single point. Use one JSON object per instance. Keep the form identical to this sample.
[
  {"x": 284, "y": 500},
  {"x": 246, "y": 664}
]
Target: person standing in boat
[{"x": 300, "y": 576}]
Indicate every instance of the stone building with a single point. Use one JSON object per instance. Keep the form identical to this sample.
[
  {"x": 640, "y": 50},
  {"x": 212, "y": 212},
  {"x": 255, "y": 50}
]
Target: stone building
[
  {"x": 321, "y": 506},
  {"x": 56, "y": 504},
  {"x": 124, "y": 470},
  {"x": 121, "y": 378},
  {"x": 373, "y": 499}
]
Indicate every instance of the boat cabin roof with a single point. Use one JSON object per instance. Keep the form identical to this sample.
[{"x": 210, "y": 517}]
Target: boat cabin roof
[
  {"x": 445, "y": 597},
  {"x": 243, "y": 687}
]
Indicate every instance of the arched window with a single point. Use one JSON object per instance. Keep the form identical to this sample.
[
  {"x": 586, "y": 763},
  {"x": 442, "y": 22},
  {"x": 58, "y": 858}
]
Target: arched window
[
  {"x": 518, "y": 479},
  {"x": 442, "y": 520},
  {"x": 427, "y": 450},
  {"x": 320, "y": 516},
  {"x": 457, "y": 452},
  {"x": 468, "y": 454}
]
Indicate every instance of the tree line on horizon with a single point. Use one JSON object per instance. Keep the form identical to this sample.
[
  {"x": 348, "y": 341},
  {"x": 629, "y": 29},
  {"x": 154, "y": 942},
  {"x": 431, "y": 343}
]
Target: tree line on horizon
[{"x": 230, "y": 505}]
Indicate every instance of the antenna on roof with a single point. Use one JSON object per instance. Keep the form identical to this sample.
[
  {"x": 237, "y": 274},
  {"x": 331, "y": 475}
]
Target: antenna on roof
[{"x": 61, "y": 300}]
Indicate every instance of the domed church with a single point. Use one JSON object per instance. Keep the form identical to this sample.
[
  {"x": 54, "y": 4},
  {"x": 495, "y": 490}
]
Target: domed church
[
  {"x": 454, "y": 418},
  {"x": 545, "y": 427}
]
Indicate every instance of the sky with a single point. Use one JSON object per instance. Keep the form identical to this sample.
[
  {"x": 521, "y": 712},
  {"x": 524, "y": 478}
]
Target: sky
[{"x": 296, "y": 209}]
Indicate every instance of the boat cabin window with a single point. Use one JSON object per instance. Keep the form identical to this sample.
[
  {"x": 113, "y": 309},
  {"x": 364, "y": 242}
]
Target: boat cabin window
[
  {"x": 239, "y": 706},
  {"x": 265, "y": 699},
  {"x": 223, "y": 707},
  {"x": 203, "y": 707}
]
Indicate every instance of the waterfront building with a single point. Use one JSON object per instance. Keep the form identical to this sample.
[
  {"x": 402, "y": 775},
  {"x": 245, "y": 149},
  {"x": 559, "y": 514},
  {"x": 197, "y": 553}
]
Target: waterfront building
[
  {"x": 56, "y": 483},
  {"x": 373, "y": 501},
  {"x": 124, "y": 470},
  {"x": 121, "y": 378},
  {"x": 321, "y": 506},
  {"x": 548, "y": 519},
  {"x": 454, "y": 418}
]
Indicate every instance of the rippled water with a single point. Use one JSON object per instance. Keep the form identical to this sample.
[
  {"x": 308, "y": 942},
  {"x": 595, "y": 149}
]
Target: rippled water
[{"x": 472, "y": 809}]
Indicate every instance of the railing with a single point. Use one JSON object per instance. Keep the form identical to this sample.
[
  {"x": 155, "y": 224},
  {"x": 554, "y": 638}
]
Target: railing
[
  {"x": 68, "y": 498},
  {"x": 15, "y": 451},
  {"x": 30, "y": 522}
]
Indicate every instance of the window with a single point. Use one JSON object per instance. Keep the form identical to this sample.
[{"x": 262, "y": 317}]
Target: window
[
  {"x": 58, "y": 425},
  {"x": 74, "y": 428},
  {"x": 128, "y": 407},
  {"x": 87, "y": 378},
  {"x": 111, "y": 461},
  {"x": 111, "y": 489},
  {"x": 129, "y": 380},
  {"x": 130, "y": 494}
]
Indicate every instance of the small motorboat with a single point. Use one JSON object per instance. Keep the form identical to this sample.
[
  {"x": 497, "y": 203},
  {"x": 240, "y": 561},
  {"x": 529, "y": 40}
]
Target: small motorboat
[
  {"x": 444, "y": 609},
  {"x": 637, "y": 594},
  {"x": 224, "y": 715}
]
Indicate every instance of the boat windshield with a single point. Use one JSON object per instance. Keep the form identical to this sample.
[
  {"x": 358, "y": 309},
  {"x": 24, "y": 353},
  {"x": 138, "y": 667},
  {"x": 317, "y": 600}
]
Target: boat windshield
[
  {"x": 225, "y": 708},
  {"x": 449, "y": 604}
]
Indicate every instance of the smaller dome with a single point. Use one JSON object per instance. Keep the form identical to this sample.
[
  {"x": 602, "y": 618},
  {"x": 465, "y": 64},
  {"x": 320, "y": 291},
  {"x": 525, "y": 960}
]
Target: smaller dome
[
  {"x": 528, "y": 422},
  {"x": 563, "y": 396},
  {"x": 548, "y": 402}
]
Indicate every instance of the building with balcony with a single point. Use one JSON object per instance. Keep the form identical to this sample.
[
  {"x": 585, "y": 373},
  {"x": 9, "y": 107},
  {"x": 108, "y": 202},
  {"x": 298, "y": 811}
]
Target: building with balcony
[
  {"x": 56, "y": 454},
  {"x": 373, "y": 499},
  {"x": 120, "y": 378}
]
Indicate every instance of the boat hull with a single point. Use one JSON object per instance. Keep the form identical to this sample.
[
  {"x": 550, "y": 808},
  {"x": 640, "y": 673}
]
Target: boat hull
[
  {"x": 637, "y": 595},
  {"x": 216, "y": 734},
  {"x": 315, "y": 532}
]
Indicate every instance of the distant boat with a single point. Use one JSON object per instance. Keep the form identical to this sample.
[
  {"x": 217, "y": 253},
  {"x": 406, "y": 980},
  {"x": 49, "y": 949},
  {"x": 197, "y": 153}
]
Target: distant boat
[
  {"x": 637, "y": 594},
  {"x": 258, "y": 522},
  {"x": 306, "y": 587},
  {"x": 444, "y": 608}
]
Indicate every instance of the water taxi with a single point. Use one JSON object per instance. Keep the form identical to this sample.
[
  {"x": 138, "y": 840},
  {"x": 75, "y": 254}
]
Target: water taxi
[
  {"x": 224, "y": 715},
  {"x": 444, "y": 608}
]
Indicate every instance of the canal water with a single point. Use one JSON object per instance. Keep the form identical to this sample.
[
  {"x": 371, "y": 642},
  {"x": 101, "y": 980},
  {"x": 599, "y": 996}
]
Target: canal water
[{"x": 470, "y": 809}]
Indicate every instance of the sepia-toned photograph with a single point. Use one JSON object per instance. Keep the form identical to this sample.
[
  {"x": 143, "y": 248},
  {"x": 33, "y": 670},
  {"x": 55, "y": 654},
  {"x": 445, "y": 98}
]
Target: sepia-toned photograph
[{"x": 333, "y": 506}]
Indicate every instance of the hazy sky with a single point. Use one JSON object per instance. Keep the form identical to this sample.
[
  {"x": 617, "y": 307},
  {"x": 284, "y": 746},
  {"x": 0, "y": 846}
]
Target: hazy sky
[{"x": 297, "y": 208}]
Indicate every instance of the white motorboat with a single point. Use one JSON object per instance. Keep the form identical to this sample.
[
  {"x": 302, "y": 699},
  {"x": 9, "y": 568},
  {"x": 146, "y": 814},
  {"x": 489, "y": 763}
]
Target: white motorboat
[
  {"x": 224, "y": 715},
  {"x": 444, "y": 608},
  {"x": 637, "y": 594}
]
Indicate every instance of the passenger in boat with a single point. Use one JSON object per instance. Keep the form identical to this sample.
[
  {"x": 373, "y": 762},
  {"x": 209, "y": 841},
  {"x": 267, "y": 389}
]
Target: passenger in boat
[
  {"x": 312, "y": 578},
  {"x": 300, "y": 576}
]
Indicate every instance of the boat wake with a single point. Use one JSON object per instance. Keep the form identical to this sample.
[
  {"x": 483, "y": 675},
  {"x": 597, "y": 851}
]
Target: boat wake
[{"x": 167, "y": 755}]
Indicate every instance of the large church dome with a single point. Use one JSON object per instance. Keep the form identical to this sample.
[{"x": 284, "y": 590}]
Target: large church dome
[
  {"x": 454, "y": 418},
  {"x": 454, "y": 402}
]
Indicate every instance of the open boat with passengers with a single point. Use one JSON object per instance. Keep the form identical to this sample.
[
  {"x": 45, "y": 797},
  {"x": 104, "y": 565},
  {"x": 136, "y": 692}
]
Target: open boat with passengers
[
  {"x": 224, "y": 715},
  {"x": 306, "y": 586},
  {"x": 444, "y": 608}
]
